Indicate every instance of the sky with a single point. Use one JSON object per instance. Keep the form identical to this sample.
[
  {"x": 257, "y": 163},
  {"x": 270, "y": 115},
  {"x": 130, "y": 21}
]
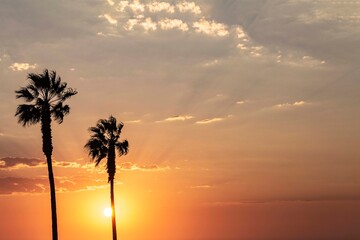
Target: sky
[{"x": 242, "y": 118}]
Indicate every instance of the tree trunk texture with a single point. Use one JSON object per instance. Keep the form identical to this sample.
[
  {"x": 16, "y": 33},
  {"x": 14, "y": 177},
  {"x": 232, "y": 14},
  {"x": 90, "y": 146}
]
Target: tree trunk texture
[
  {"x": 47, "y": 149},
  {"x": 113, "y": 209},
  {"x": 111, "y": 169}
]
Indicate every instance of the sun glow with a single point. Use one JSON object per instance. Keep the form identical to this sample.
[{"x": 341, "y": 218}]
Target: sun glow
[{"x": 108, "y": 212}]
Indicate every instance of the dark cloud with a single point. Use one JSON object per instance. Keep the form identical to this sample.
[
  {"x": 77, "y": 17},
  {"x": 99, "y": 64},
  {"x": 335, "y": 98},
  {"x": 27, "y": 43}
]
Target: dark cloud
[
  {"x": 71, "y": 176},
  {"x": 11, "y": 185},
  {"x": 9, "y": 162},
  {"x": 319, "y": 199},
  {"x": 18, "y": 162}
]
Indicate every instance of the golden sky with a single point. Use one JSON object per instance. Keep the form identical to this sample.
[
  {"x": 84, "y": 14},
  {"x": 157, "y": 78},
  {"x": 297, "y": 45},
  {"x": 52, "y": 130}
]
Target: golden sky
[{"x": 242, "y": 118}]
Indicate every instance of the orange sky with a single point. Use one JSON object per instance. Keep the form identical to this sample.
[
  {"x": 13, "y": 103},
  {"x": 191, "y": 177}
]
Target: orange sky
[{"x": 242, "y": 119}]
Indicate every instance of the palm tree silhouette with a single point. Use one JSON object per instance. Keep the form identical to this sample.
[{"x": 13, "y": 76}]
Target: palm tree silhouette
[
  {"x": 103, "y": 142},
  {"x": 45, "y": 95}
]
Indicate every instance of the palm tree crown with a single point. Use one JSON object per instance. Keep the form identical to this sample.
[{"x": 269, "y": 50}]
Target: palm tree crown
[
  {"x": 44, "y": 93},
  {"x": 104, "y": 140}
]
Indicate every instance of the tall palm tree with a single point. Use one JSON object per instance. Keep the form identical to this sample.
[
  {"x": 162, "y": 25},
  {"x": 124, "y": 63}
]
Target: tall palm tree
[
  {"x": 45, "y": 96},
  {"x": 103, "y": 142}
]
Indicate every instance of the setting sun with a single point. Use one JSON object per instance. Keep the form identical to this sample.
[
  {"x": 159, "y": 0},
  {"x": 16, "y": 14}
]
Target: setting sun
[{"x": 107, "y": 212}]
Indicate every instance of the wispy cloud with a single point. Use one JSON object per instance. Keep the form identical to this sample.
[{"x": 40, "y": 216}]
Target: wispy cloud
[
  {"x": 241, "y": 102},
  {"x": 201, "y": 187},
  {"x": 109, "y": 18},
  {"x": 217, "y": 98},
  {"x": 290, "y": 105},
  {"x": 211, "y": 63},
  {"x": 209, "y": 121},
  {"x": 14, "y": 163},
  {"x": 11, "y": 162},
  {"x": 177, "y": 118},
  {"x": 134, "y": 121},
  {"x": 33, "y": 185},
  {"x": 128, "y": 166}
]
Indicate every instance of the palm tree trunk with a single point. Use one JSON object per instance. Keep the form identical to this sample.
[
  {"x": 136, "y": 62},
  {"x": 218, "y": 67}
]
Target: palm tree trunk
[
  {"x": 113, "y": 209},
  {"x": 47, "y": 149},
  {"x": 53, "y": 200}
]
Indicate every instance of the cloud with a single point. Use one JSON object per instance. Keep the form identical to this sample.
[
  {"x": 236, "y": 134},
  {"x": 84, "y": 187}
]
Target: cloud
[
  {"x": 67, "y": 164},
  {"x": 130, "y": 24},
  {"x": 128, "y": 166},
  {"x": 110, "y": 19},
  {"x": 290, "y": 105},
  {"x": 11, "y": 185},
  {"x": 209, "y": 120},
  {"x": 241, "y": 102},
  {"x": 157, "y": 15},
  {"x": 11, "y": 162},
  {"x": 217, "y": 98},
  {"x": 210, "y": 28},
  {"x": 134, "y": 121},
  {"x": 188, "y": 7},
  {"x": 25, "y": 185},
  {"x": 22, "y": 66},
  {"x": 201, "y": 187},
  {"x": 177, "y": 118},
  {"x": 167, "y": 24},
  {"x": 121, "y": 6},
  {"x": 136, "y": 6},
  {"x": 148, "y": 24},
  {"x": 14, "y": 163},
  {"x": 211, "y": 63},
  {"x": 241, "y": 34},
  {"x": 160, "y": 6},
  {"x": 111, "y": 2},
  {"x": 353, "y": 197}
]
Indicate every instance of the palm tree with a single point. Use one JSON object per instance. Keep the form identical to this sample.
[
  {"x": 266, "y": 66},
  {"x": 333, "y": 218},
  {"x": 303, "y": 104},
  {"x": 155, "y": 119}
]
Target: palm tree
[
  {"x": 103, "y": 142},
  {"x": 45, "y": 96}
]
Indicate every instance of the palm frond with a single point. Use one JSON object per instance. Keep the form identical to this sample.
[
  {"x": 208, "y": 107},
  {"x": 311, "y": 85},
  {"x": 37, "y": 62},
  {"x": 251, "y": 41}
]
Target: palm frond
[
  {"x": 55, "y": 82},
  {"x": 68, "y": 93},
  {"x": 25, "y": 93},
  {"x": 59, "y": 111},
  {"x": 34, "y": 91},
  {"x": 105, "y": 124},
  {"x": 99, "y": 134},
  {"x": 28, "y": 114},
  {"x": 119, "y": 128},
  {"x": 97, "y": 150},
  {"x": 122, "y": 147},
  {"x": 100, "y": 126},
  {"x": 62, "y": 86},
  {"x": 42, "y": 80}
]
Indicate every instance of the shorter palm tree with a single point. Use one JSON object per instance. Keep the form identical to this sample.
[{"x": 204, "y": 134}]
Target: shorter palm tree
[{"x": 103, "y": 143}]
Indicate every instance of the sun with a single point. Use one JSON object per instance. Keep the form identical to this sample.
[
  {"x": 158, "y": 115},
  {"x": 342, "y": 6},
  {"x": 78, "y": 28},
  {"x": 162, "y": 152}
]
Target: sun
[{"x": 107, "y": 212}]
